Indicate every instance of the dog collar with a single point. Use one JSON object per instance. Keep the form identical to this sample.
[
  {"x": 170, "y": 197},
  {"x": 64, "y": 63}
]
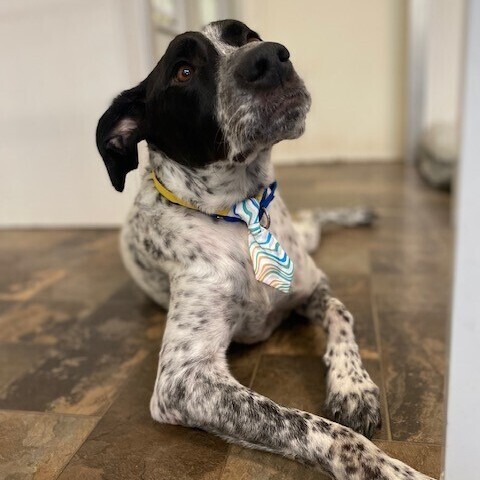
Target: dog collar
[
  {"x": 271, "y": 263},
  {"x": 264, "y": 198}
]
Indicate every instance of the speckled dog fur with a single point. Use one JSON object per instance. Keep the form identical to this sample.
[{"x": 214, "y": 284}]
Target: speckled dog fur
[{"x": 198, "y": 267}]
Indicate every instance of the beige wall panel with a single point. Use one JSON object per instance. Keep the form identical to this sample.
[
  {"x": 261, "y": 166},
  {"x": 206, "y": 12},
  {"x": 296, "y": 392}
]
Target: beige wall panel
[{"x": 352, "y": 56}]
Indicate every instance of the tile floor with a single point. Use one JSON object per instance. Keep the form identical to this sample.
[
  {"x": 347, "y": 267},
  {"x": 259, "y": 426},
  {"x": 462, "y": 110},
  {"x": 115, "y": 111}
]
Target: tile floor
[{"x": 78, "y": 342}]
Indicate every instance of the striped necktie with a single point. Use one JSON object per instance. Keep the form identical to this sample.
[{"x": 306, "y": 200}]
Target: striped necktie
[{"x": 271, "y": 264}]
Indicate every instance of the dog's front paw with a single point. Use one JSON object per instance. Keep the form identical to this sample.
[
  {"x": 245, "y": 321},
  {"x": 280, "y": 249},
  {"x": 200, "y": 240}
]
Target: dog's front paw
[
  {"x": 360, "y": 412},
  {"x": 353, "y": 404}
]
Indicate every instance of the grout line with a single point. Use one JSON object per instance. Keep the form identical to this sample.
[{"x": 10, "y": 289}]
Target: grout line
[
  {"x": 378, "y": 339},
  {"x": 80, "y": 445},
  {"x": 51, "y": 413},
  {"x": 409, "y": 442},
  {"x": 227, "y": 456},
  {"x": 254, "y": 373}
]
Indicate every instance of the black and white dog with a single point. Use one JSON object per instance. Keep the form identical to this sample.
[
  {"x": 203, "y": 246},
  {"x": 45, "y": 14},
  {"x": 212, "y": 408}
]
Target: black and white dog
[{"x": 210, "y": 111}]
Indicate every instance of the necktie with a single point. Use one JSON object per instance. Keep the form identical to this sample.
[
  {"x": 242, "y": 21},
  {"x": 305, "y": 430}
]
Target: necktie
[{"x": 271, "y": 263}]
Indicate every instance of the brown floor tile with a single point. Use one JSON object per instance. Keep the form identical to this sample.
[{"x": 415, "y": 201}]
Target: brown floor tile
[
  {"x": 293, "y": 381},
  {"x": 424, "y": 458},
  {"x": 34, "y": 321},
  {"x": 298, "y": 336},
  {"x": 337, "y": 185},
  {"x": 412, "y": 293},
  {"x": 23, "y": 289},
  {"x": 84, "y": 266},
  {"x": 426, "y": 234},
  {"x": 413, "y": 348},
  {"x": 128, "y": 444},
  {"x": 299, "y": 382},
  {"x": 94, "y": 271},
  {"x": 243, "y": 361},
  {"x": 22, "y": 254},
  {"x": 35, "y": 240},
  {"x": 88, "y": 358},
  {"x": 345, "y": 252},
  {"x": 25, "y": 252},
  {"x": 17, "y": 361},
  {"x": 412, "y": 244},
  {"x": 356, "y": 293},
  {"x": 37, "y": 446},
  {"x": 246, "y": 464},
  {"x": 411, "y": 259}
]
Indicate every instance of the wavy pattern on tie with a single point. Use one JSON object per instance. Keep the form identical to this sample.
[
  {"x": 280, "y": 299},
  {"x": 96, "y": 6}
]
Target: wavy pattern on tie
[{"x": 271, "y": 263}]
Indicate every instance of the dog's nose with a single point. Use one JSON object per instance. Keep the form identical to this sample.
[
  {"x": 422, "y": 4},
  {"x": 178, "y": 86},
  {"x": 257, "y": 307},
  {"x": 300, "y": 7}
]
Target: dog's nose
[{"x": 264, "y": 66}]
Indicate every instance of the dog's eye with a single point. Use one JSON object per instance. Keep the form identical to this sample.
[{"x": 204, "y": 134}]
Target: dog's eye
[{"x": 184, "y": 73}]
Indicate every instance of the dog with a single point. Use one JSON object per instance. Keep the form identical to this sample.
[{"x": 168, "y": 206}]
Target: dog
[{"x": 210, "y": 112}]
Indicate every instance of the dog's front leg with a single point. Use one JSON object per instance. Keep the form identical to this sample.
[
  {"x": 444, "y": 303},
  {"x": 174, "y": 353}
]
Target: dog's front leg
[
  {"x": 195, "y": 388},
  {"x": 352, "y": 397}
]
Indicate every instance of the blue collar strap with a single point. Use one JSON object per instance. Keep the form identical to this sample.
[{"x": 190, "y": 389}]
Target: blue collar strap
[{"x": 267, "y": 197}]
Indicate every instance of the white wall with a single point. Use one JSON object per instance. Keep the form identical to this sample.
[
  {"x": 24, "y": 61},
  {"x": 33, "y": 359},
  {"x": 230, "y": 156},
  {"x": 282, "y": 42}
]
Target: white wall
[
  {"x": 351, "y": 54},
  {"x": 436, "y": 33},
  {"x": 463, "y": 413},
  {"x": 444, "y": 57},
  {"x": 64, "y": 60},
  {"x": 62, "y": 63}
]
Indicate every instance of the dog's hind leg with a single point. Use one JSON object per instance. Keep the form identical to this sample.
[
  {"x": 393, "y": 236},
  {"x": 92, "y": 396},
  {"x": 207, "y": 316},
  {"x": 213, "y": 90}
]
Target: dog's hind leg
[
  {"x": 309, "y": 224},
  {"x": 352, "y": 397}
]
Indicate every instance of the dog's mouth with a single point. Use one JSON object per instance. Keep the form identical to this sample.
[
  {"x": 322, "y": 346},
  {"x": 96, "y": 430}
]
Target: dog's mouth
[
  {"x": 288, "y": 104},
  {"x": 281, "y": 114},
  {"x": 284, "y": 104}
]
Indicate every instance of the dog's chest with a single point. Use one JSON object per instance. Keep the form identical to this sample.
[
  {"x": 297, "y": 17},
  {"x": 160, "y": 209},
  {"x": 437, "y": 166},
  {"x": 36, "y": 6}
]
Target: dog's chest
[
  {"x": 231, "y": 241},
  {"x": 185, "y": 243},
  {"x": 264, "y": 307}
]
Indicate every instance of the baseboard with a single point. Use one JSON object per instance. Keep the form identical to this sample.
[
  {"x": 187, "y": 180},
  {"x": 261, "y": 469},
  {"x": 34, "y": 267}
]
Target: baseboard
[{"x": 330, "y": 160}]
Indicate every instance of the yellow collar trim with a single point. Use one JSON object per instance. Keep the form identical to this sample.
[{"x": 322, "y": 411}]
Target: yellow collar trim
[{"x": 171, "y": 197}]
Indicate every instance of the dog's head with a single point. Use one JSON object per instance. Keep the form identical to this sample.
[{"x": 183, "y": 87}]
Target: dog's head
[{"x": 222, "y": 94}]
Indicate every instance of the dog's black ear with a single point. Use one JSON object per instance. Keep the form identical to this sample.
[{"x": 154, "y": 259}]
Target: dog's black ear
[{"x": 119, "y": 130}]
